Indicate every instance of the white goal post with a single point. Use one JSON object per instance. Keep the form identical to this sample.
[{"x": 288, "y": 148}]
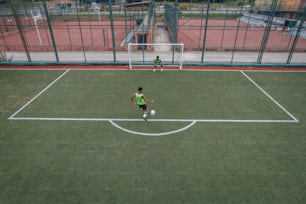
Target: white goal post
[{"x": 143, "y": 54}]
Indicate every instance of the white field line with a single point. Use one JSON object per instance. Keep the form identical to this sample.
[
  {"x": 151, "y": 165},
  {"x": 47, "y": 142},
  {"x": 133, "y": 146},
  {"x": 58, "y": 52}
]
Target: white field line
[
  {"x": 152, "y": 134},
  {"x": 192, "y": 121},
  {"x": 159, "y": 134},
  {"x": 270, "y": 97},
  {"x": 40, "y": 93},
  {"x": 154, "y": 120}
]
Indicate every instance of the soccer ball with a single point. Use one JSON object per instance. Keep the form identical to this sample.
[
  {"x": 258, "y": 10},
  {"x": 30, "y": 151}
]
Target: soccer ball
[{"x": 152, "y": 112}]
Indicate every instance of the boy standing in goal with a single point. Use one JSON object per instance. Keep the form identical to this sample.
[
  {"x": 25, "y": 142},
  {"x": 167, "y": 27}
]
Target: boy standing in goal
[{"x": 157, "y": 61}]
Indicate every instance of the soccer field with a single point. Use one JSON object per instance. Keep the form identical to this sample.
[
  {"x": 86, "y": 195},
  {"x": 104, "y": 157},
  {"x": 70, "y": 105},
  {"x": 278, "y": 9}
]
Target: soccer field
[{"x": 73, "y": 136}]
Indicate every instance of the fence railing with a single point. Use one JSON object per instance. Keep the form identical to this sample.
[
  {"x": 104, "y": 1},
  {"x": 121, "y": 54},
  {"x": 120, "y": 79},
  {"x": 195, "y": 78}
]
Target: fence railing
[{"x": 43, "y": 32}]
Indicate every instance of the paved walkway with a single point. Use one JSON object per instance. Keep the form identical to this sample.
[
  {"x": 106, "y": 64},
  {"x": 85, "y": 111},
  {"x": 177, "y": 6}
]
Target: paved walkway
[
  {"x": 189, "y": 57},
  {"x": 160, "y": 34}
]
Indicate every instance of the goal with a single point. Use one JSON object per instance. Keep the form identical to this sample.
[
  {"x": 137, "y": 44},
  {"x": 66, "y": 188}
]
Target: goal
[{"x": 143, "y": 54}]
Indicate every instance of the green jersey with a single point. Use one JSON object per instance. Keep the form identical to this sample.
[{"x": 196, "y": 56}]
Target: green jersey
[
  {"x": 139, "y": 99},
  {"x": 157, "y": 60}
]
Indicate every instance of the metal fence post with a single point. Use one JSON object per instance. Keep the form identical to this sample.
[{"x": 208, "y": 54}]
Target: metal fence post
[
  {"x": 21, "y": 33},
  {"x": 80, "y": 28},
  {"x": 111, "y": 19},
  {"x": 51, "y": 31},
  {"x": 206, "y": 24},
  {"x": 297, "y": 36},
  {"x": 267, "y": 31},
  {"x": 237, "y": 32}
]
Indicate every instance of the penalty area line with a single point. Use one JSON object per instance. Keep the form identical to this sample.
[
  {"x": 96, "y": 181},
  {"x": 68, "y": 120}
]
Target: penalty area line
[
  {"x": 39, "y": 94},
  {"x": 155, "y": 120},
  {"x": 158, "y": 134},
  {"x": 270, "y": 97}
]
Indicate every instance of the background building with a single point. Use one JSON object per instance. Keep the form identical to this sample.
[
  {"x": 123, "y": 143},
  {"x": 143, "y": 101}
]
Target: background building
[
  {"x": 281, "y": 5},
  {"x": 291, "y": 9}
]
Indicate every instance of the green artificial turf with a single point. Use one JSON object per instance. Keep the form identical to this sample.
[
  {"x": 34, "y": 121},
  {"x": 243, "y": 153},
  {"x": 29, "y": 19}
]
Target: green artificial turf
[{"x": 62, "y": 148}]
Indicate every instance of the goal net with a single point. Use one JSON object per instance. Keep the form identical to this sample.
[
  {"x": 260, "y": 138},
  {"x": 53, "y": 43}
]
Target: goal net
[{"x": 143, "y": 54}]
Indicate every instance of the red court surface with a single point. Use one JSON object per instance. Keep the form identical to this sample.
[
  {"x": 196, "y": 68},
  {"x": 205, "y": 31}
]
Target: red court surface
[
  {"x": 221, "y": 35},
  {"x": 233, "y": 35},
  {"x": 68, "y": 36}
]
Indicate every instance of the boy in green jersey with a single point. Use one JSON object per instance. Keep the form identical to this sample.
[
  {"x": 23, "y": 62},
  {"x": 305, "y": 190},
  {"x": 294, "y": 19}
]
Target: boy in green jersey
[
  {"x": 157, "y": 61},
  {"x": 140, "y": 99}
]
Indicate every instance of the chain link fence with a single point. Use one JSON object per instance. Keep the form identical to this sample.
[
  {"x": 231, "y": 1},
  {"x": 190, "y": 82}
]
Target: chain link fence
[{"x": 45, "y": 32}]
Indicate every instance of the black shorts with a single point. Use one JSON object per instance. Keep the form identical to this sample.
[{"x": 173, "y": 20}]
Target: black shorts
[{"x": 143, "y": 107}]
